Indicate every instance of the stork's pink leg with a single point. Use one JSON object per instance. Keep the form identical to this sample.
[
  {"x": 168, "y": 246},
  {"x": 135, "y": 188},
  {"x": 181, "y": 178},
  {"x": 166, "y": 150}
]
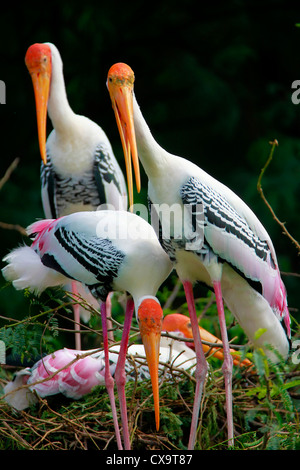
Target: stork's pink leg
[
  {"x": 109, "y": 381},
  {"x": 201, "y": 367},
  {"x": 76, "y": 310},
  {"x": 108, "y": 316},
  {"x": 228, "y": 361},
  {"x": 120, "y": 376}
]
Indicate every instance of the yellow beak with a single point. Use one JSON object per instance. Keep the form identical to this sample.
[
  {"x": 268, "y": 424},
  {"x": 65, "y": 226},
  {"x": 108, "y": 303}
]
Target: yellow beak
[
  {"x": 150, "y": 322},
  {"x": 41, "y": 86},
  {"x": 122, "y": 102}
]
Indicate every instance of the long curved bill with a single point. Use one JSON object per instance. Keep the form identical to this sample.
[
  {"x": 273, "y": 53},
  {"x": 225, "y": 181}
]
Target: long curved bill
[
  {"x": 150, "y": 323},
  {"x": 121, "y": 89},
  {"x": 41, "y": 86},
  {"x": 180, "y": 323}
]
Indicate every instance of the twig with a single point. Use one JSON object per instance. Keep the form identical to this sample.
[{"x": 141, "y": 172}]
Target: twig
[
  {"x": 50, "y": 376},
  {"x": 260, "y": 190},
  {"x": 289, "y": 274},
  {"x": 207, "y": 343},
  {"x": 211, "y": 300},
  {"x": 173, "y": 295},
  {"x": 17, "y": 227},
  {"x": 4, "y": 180},
  {"x": 8, "y": 172},
  {"x": 17, "y": 437},
  {"x": 33, "y": 318}
]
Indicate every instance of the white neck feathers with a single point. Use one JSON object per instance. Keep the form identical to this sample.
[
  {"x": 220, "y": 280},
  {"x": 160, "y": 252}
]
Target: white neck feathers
[
  {"x": 59, "y": 109},
  {"x": 153, "y": 157}
]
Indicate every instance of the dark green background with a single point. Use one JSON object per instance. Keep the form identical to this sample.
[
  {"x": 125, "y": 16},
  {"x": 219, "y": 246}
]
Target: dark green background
[{"x": 213, "y": 81}]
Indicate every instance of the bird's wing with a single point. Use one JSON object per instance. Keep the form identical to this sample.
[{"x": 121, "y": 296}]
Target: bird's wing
[
  {"x": 103, "y": 184},
  {"x": 225, "y": 230},
  {"x": 110, "y": 182},
  {"x": 229, "y": 236},
  {"x": 82, "y": 256},
  {"x": 48, "y": 190}
]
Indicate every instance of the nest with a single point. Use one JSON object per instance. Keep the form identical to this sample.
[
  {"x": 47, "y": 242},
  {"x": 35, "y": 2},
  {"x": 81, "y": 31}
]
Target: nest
[
  {"x": 266, "y": 401},
  {"x": 265, "y": 415}
]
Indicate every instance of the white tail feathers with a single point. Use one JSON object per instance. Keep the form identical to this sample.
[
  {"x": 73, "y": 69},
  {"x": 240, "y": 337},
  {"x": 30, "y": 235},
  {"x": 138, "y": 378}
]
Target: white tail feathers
[
  {"x": 26, "y": 270},
  {"x": 16, "y": 397}
]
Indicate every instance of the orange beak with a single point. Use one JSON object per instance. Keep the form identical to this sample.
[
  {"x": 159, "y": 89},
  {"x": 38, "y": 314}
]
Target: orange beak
[
  {"x": 120, "y": 86},
  {"x": 39, "y": 67},
  {"x": 150, "y": 316},
  {"x": 181, "y": 323}
]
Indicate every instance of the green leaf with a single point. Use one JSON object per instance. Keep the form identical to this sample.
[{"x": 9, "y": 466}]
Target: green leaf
[{"x": 259, "y": 333}]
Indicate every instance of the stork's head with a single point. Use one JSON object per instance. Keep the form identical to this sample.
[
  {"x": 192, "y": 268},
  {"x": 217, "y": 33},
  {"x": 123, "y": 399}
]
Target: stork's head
[
  {"x": 38, "y": 60},
  {"x": 150, "y": 316},
  {"x": 178, "y": 323},
  {"x": 120, "y": 80}
]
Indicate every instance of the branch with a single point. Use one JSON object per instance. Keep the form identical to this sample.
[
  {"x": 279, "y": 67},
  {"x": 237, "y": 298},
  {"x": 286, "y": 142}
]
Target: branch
[
  {"x": 260, "y": 190},
  {"x": 8, "y": 172},
  {"x": 17, "y": 227},
  {"x": 173, "y": 295},
  {"x": 4, "y": 180}
]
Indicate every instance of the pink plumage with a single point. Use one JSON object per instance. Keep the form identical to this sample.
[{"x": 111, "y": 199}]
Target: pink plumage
[
  {"x": 39, "y": 226},
  {"x": 39, "y": 230},
  {"x": 68, "y": 373},
  {"x": 75, "y": 373}
]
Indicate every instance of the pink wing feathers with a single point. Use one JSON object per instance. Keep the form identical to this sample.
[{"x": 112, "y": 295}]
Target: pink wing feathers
[
  {"x": 39, "y": 229},
  {"x": 68, "y": 373}
]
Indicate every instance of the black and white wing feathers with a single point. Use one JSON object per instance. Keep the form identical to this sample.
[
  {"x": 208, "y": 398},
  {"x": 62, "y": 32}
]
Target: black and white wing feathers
[
  {"x": 227, "y": 233},
  {"x": 109, "y": 179},
  {"x": 92, "y": 260},
  {"x": 98, "y": 186}
]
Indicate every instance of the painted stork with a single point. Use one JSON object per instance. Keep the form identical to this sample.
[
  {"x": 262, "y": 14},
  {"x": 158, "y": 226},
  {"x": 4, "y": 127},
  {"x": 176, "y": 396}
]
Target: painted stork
[
  {"x": 79, "y": 171},
  {"x": 181, "y": 324},
  {"x": 106, "y": 251},
  {"x": 220, "y": 242},
  {"x": 75, "y": 373}
]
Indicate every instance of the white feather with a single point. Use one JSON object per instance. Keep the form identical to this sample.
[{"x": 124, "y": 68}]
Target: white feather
[
  {"x": 25, "y": 270},
  {"x": 19, "y": 398}
]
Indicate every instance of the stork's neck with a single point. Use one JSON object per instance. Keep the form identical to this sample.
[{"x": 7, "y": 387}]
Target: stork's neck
[
  {"x": 59, "y": 109},
  {"x": 153, "y": 157}
]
